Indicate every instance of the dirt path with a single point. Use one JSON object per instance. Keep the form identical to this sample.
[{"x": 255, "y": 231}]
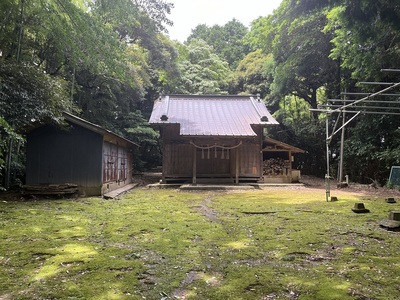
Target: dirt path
[
  {"x": 207, "y": 211},
  {"x": 210, "y": 214}
]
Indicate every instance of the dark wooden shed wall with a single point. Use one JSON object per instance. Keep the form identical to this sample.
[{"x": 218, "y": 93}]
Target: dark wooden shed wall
[{"x": 75, "y": 156}]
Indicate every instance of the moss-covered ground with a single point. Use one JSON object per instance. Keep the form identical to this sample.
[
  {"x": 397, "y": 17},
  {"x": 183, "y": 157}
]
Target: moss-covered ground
[{"x": 168, "y": 244}]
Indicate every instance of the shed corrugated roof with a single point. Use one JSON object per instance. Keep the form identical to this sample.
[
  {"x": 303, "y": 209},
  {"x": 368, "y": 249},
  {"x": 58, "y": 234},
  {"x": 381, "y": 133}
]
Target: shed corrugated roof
[
  {"x": 272, "y": 145},
  {"x": 211, "y": 115}
]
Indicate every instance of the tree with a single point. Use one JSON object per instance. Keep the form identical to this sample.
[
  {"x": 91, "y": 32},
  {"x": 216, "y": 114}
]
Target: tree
[
  {"x": 372, "y": 147},
  {"x": 104, "y": 58},
  {"x": 122, "y": 102},
  {"x": 302, "y": 57},
  {"x": 27, "y": 96},
  {"x": 157, "y": 11},
  {"x": 151, "y": 59},
  {"x": 226, "y": 40},
  {"x": 366, "y": 36},
  {"x": 254, "y": 74},
  {"x": 138, "y": 130},
  {"x": 202, "y": 71},
  {"x": 366, "y": 39},
  {"x": 300, "y": 128},
  {"x": 303, "y": 73},
  {"x": 321, "y": 48}
]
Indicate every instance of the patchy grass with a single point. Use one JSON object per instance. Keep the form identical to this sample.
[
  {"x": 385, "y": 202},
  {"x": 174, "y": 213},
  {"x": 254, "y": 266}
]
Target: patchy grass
[{"x": 166, "y": 244}]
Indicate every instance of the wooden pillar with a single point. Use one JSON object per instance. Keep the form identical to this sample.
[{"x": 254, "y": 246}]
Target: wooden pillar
[
  {"x": 261, "y": 168},
  {"x": 237, "y": 166},
  {"x": 164, "y": 160},
  {"x": 194, "y": 179},
  {"x": 290, "y": 166}
]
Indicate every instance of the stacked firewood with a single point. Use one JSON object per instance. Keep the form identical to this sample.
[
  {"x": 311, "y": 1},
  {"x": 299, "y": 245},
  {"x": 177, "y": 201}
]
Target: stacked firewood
[{"x": 274, "y": 166}]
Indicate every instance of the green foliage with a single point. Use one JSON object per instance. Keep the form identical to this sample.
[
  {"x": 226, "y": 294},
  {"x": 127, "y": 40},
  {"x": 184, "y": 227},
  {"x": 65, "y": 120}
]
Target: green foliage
[
  {"x": 164, "y": 69},
  {"x": 264, "y": 30},
  {"x": 157, "y": 11},
  {"x": 299, "y": 128},
  {"x": 226, "y": 40},
  {"x": 213, "y": 245},
  {"x": 7, "y": 134},
  {"x": 301, "y": 53},
  {"x": 138, "y": 25},
  {"x": 299, "y": 70},
  {"x": 111, "y": 59},
  {"x": 294, "y": 110},
  {"x": 370, "y": 156},
  {"x": 138, "y": 130},
  {"x": 366, "y": 36},
  {"x": 29, "y": 95},
  {"x": 202, "y": 71},
  {"x": 103, "y": 56},
  {"x": 253, "y": 75}
]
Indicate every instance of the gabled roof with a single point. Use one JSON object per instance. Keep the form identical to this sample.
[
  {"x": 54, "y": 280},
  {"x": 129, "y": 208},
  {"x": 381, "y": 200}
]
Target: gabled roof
[
  {"x": 274, "y": 145},
  {"x": 211, "y": 115}
]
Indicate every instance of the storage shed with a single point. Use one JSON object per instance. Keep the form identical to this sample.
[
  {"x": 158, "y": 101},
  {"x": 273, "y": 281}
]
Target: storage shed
[
  {"x": 211, "y": 138},
  {"x": 278, "y": 158},
  {"x": 82, "y": 153}
]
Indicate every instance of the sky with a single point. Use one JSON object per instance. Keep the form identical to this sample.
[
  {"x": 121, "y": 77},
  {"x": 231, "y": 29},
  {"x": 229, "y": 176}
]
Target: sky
[{"x": 187, "y": 14}]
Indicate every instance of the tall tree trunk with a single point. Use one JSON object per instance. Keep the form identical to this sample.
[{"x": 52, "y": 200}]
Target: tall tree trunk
[{"x": 20, "y": 31}]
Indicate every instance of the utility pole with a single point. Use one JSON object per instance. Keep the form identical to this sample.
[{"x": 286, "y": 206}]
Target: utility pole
[
  {"x": 341, "y": 162},
  {"x": 327, "y": 175},
  {"x": 351, "y": 107}
]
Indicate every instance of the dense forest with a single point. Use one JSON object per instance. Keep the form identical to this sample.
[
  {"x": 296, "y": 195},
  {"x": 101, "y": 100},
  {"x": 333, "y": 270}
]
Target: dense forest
[{"x": 106, "y": 61}]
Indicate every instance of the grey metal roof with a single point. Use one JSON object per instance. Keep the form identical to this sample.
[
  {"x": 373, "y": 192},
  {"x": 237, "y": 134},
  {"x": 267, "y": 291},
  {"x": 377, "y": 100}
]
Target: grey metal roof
[{"x": 211, "y": 115}]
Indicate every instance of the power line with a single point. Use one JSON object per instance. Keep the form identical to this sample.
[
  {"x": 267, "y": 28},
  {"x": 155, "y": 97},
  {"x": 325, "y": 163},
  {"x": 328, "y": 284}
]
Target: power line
[{"x": 356, "y": 107}]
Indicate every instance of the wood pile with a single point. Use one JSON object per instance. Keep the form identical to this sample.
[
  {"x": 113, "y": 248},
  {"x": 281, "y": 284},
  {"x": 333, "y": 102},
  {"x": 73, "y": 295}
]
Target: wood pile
[
  {"x": 275, "y": 166},
  {"x": 51, "y": 189}
]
